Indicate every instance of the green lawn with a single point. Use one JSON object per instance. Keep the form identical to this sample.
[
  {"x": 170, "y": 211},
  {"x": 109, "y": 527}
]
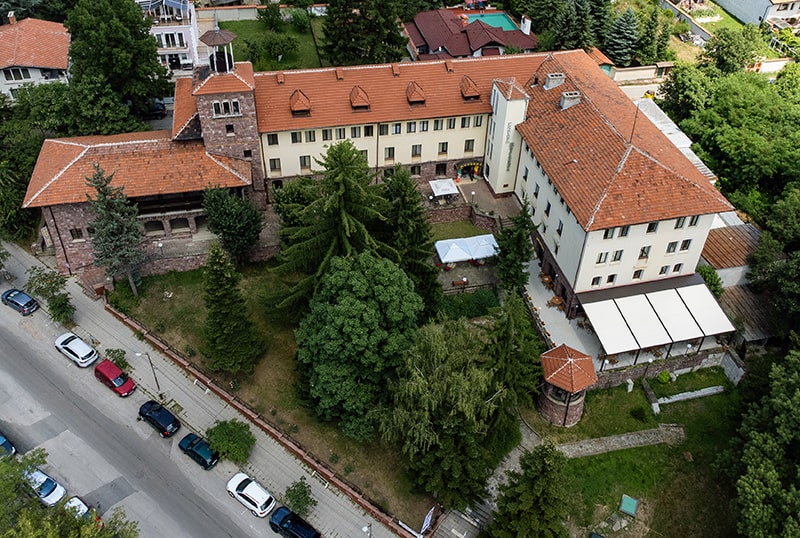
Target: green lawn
[
  {"x": 707, "y": 377},
  {"x": 727, "y": 21},
  {"x": 454, "y": 230},
  {"x": 253, "y": 31}
]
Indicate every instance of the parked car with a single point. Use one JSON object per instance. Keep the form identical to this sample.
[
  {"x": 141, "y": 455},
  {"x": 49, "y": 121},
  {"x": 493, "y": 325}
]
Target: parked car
[
  {"x": 199, "y": 450},
  {"x": 111, "y": 376},
  {"x": 159, "y": 418},
  {"x": 6, "y": 448},
  {"x": 251, "y": 494},
  {"x": 46, "y": 488},
  {"x": 83, "y": 511},
  {"x": 155, "y": 111},
  {"x": 76, "y": 349},
  {"x": 286, "y": 523},
  {"x": 20, "y": 301}
]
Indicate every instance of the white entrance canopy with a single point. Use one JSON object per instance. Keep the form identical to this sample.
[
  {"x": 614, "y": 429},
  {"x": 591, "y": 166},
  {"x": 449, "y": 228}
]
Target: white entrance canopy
[
  {"x": 466, "y": 248},
  {"x": 443, "y": 187},
  {"x": 656, "y": 318}
]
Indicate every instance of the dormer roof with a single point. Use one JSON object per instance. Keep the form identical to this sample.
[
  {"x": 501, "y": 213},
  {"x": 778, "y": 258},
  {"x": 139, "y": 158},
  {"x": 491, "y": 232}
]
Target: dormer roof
[{"x": 414, "y": 94}]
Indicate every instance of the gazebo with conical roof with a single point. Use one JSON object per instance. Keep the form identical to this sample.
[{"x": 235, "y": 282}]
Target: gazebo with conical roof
[{"x": 567, "y": 374}]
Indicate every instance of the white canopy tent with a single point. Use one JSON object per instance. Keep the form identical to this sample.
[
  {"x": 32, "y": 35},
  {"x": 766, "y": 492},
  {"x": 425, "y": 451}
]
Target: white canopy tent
[
  {"x": 466, "y": 248},
  {"x": 443, "y": 187}
]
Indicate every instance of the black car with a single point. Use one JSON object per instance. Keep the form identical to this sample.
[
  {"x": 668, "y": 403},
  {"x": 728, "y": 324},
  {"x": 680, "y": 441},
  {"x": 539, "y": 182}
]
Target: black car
[
  {"x": 20, "y": 301},
  {"x": 197, "y": 448},
  {"x": 160, "y": 418},
  {"x": 157, "y": 110},
  {"x": 288, "y": 524}
]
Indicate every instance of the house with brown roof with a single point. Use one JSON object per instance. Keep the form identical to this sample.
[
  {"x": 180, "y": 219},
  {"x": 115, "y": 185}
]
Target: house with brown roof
[
  {"x": 615, "y": 202},
  {"x": 448, "y": 33},
  {"x": 32, "y": 51}
]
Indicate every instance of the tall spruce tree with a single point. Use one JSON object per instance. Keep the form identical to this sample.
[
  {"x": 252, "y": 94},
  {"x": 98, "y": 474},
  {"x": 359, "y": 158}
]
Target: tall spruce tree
[
  {"x": 110, "y": 40},
  {"x": 118, "y": 235},
  {"x": 533, "y": 502},
  {"x": 515, "y": 250},
  {"x": 231, "y": 342},
  {"x": 601, "y": 19},
  {"x": 411, "y": 236},
  {"x": 622, "y": 38},
  {"x": 363, "y": 32},
  {"x": 340, "y": 222}
]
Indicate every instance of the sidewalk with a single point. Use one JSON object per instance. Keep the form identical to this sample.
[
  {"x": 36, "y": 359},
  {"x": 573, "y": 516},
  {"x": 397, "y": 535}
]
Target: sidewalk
[{"x": 336, "y": 514}]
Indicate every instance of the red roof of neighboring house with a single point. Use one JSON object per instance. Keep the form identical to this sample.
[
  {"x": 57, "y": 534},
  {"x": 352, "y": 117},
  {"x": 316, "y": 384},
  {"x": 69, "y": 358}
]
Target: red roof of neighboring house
[
  {"x": 729, "y": 246},
  {"x": 34, "y": 43},
  {"x": 568, "y": 369},
  {"x": 145, "y": 164},
  {"x": 599, "y": 58},
  {"x": 610, "y": 166},
  {"x": 436, "y": 27}
]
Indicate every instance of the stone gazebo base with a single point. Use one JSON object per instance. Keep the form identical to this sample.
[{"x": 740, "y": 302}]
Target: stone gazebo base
[{"x": 559, "y": 407}]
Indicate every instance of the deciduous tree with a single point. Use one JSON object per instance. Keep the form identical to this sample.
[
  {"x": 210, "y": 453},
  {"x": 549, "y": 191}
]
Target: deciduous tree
[
  {"x": 235, "y": 220},
  {"x": 363, "y": 32},
  {"x": 51, "y": 286},
  {"x": 361, "y": 322},
  {"x": 118, "y": 236},
  {"x": 232, "y": 439},
  {"x": 231, "y": 342},
  {"x": 731, "y": 50},
  {"x": 533, "y": 502}
]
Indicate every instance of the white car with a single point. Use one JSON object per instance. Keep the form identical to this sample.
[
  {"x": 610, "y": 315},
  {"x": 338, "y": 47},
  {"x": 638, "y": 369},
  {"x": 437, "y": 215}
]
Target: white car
[
  {"x": 46, "y": 488},
  {"x": 250, "y": 493},
  {"x": 76, "y": 349}
]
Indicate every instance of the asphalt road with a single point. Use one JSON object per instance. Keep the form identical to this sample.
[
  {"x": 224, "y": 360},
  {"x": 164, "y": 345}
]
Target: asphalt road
[{"x": 96, "y": 447}]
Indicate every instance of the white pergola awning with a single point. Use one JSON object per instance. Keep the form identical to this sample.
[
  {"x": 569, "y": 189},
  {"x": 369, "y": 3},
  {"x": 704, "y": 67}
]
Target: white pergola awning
[{"x": 656, "y": 318}]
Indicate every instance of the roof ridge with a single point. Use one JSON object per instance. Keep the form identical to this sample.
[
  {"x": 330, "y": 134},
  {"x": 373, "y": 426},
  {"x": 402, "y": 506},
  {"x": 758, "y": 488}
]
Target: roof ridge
[
  {"x": 607, "y": 187},
  {"x": 184, "y": 126},
  {"x": 226, "y": 167},
  {"x": 59, "y": 174}
]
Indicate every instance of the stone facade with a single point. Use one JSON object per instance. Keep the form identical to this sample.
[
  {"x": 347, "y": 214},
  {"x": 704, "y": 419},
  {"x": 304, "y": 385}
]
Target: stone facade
[{"x": 554, "y": 408}]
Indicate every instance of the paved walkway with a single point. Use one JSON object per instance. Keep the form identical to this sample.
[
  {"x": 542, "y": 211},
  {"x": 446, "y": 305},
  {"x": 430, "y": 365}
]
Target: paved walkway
[
  {"x": 336, "y": 515},
  {"x": 671, "y": 434}
]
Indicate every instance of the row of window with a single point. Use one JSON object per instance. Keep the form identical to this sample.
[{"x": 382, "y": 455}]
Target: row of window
[
  {"x": 357, "y": 131},
  {"x": 227, "y": 108},
  {"x": 638, "y": 274},
  {"x": 170, "y": 40},
  {"x": 644, "y": 252},
  {"x": 652, "y": 227},
  {"x": 17, "y": 73}
]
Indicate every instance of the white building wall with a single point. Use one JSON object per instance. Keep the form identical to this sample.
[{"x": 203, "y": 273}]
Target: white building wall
[
  {"x": 751, "y": 11},
  {"x": 503, "y": 146},
  {"x": 401, "y": 137},
  {"x": 31, "y": 75}
]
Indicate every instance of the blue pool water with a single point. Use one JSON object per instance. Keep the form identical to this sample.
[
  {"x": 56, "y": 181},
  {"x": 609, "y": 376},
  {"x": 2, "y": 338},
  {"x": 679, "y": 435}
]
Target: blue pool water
[{"x": 497, "y": 20}]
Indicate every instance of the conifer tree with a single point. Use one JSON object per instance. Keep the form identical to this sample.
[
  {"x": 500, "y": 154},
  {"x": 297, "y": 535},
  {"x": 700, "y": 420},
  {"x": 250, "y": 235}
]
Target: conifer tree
[
  {"x": 118, "y": 235},
  {"x": 231, "y": 343},
  {"x": 622, "y": 38},
  {"x": 411, "y": 236},
  {"x": 234, "y": 219},
  {"x": 601, "y": 19},
  {"x": 515, "y": 250},
  {"x": 533, "y": 502},
  {"x": 663, "y": 52},
  {"x": 647, "y": 46}
]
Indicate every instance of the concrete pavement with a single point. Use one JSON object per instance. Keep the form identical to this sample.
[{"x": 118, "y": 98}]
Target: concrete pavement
[{"x": 336, "y": 514}]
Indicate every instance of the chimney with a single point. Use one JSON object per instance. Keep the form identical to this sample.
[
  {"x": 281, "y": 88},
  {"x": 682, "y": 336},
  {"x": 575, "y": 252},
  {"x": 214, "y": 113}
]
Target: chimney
[
  {"x": 553, "y": 80},
  {"x": 12, "y": 19},
  {"x": 569, "y": 99},
  {"x": 525, "y": 25}
]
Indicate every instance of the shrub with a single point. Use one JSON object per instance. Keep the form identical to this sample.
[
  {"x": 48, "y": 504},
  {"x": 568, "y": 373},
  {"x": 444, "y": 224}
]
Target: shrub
[
  {"x": 664, "y": 377},
  {"x": 300, "y": 20},
  {"x": 638, "y": 413},
  {"x": 117, "y": 356},
  {"x": 232, "y": 439},
  {"x": 122, "y": 298},
  {"x": 298, "y": 497},
  {"x": 712, "y": 279},
  {"x": 470, "y": 305},
  {"x": 60, "y": 308},
  {"x": 681, "y": 27}
]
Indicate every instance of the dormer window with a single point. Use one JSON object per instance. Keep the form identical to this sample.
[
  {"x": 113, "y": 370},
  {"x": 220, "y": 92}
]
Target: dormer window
[
  {"x": 469, "y": 90},
  {"x": 359, "y": 100},
  {"x": 299, "y": 104},
  {"x": 414, "y": 94},
  {"x": 226, "y": 108}
]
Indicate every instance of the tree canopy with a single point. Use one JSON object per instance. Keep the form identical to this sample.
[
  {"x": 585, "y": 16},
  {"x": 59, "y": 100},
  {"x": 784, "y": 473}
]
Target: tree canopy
[
  {"x": 234, "y": 219},
  {"x": 231, "y": 342},
  {"x": 118, "y": 235},
  {"x": 515, "y": 250},
  {"x": 622, "y": 38},
  {"x": 731, "y": 50},
  {"x": 361, "y": 321},
  {"x": 363, "y": 32},
  {"x": 111, "y": 42}
]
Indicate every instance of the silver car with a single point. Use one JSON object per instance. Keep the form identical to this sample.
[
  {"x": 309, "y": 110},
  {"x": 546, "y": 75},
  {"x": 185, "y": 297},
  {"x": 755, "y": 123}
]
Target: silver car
[
  {"x": 76, "y": 349},
  {"x": 46, "y": 488}
]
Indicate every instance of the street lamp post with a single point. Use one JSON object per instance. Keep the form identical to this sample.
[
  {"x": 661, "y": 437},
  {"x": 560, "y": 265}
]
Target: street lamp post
[
  {"x": 473, "y": 197},
  {"x": 649, "y": 362},
  {"x": 155, "y": 376},
  {"x": 367, "y": 529}
]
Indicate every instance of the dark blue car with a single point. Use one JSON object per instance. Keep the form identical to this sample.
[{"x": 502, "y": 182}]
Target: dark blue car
[
  {"x": 198, "y": 449},
  {"x": 159, "y": 418},
  {"x": 20, "y": 301},
  {"x": 288, "y": 524}
]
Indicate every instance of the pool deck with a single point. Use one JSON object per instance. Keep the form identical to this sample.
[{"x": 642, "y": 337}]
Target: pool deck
[{"x": 458, "y": 11}]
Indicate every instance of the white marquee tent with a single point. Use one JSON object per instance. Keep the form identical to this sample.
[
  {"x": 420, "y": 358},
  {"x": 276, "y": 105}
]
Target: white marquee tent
[{"x": 466, "y": 248}]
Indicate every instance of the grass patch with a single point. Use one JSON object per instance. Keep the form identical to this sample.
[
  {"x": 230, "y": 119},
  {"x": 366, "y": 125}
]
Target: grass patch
[
  {"x": 727, "y": 20},
  {"x": 706, "y": 377},
  {"x": 454, "y": 230},
  {"x": 253, "y": 30},
  {"x": 377, "y": 470},
  {"x": 470, "y": 305},
  {"x": 319, "y": 36}
]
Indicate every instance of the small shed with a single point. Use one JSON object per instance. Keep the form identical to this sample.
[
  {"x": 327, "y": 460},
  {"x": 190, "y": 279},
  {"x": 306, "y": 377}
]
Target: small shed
[{"x": 567, "y": 375}]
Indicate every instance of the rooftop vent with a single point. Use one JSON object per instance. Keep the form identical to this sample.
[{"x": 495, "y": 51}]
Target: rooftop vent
[
  {"x": 449, "y": 66},
  {"x": 569, "y": 99},
  {"x": 280, "y": 78},
  {"x": 339, "y": 73},
  {"x": 396, "y": 70},
  {"x": 554, "y": 80}
]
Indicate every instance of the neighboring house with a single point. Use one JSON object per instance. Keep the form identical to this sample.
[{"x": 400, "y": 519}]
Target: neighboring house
[
  {"x": 32, "y": 51},
  {"x": 616, "y": 203},
  {"x": 447, "y": 33},
  {"x": 726, "y": 250},
  {"x": 175, "y": 30},
  {"x": 758, "y": 11}
]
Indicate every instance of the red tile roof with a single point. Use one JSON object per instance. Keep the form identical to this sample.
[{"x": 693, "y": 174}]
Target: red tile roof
[
  {"x": 34, "y": 43},
  {"x": 145, "y": 164},
  {"x": 185, "y": 106},
  {"x": 568, "y": 369},
  {"x": 729, "y": 246},
  {"x": 238, "y": 80},
  {"x": 611, "y": 165}
]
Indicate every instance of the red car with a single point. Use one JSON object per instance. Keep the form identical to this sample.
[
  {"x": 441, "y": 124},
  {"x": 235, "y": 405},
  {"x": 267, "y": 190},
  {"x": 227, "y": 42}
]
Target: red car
[{"x": 110, "y": 375}]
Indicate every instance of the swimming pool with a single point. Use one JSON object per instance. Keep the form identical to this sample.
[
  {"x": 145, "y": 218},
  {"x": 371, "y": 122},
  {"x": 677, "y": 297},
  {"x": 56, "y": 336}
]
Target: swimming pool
[{"x": 497, "y": 20}]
